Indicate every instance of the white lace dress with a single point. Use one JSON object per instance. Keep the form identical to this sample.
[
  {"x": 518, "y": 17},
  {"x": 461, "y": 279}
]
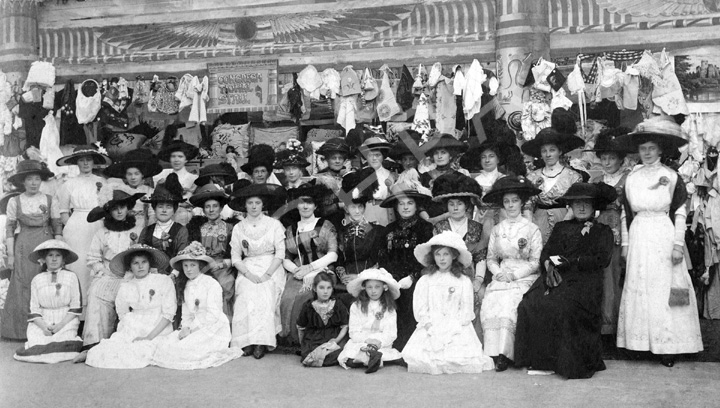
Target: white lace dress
[{"x": 375, "y": 324}]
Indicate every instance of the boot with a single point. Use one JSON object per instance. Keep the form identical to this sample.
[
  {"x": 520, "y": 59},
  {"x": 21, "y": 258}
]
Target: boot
[{"x": 375, "y": 361}]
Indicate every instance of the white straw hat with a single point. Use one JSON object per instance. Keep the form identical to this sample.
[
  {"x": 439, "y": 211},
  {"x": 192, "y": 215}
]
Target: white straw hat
[
  {"x": 356, "y": 285},
  {"x": 448, "y": 239}
]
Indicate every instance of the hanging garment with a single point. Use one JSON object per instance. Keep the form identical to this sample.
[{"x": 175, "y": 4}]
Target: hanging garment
[
  {"x": 420, "y": 80},
  {"x": 668, "y": 96},
  {"x": 404, "y": 95},
  {"x": 198, "y": 112},
  {"x": 50, "y": 145},
  {"x": 349, "y": 82},
  {"x": 369, "y": 86},
  {"x": 32, "y": 115},
  {"x": 184, "y": 92},
  {"x": 472, "y": 94},
  {"x": 535, "y": 114},
  {"x": 445, "y": 108},
  {"x": 631, "y": 86},
  {"x": 387, "y": 106},
  {"x": 346, "y": 113},
  {"x": 310, "y": 81},
  {"x": 70, "y": 131},
  {"x": 41, "y": 73},
  {"x": 330, "y": 83},
  {"x": 421, "y": 122},
  {"x": 540, "y": 72}
]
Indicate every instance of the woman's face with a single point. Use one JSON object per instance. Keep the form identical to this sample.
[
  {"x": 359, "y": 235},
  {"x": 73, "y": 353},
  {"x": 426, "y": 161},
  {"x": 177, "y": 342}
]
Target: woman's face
[
  {"x": 336, "y": 161},
  {"x": 254, "y": 206},
  {"x": 441, "y": 157},
  {"x": 54, "y": 259},
  {"x": 177, "y": 160},
  {"x": 489, "y": 161},
  {"x": 85, "y": 164},
  {"x": 649, "y": 152},
  {"x": 443, "y": 258},
  {"x": 375, "y": 159},
  {"x": 457, "y": 209},
  {"x": 324, "y": 290},
  {"x": 306, "y": 207},
  {"x": 512, "y": 204},
  {"x": 164, "y": 212},
  {"x": 374, "y": 288},
  {"x": 260, "y": 175},
  {"x": 119, "y": 212},
  {"x": 355, "y": 211},
  {"x": 550, "y": 154},
  {"x": 133, "y": 176},
  {"x": 292, "y": 173},
  {"x": 32, "y": 183},
  {"x": 212, "y": 209},
  {"x": 611, "y": 162},
  {"x": 140, "y": 266},
  {"x": 409, "y": 161},
  {"x": 583, "y": 209},
  {"x": 191, "y": 268},
  {"x": 406, "y": 207}
]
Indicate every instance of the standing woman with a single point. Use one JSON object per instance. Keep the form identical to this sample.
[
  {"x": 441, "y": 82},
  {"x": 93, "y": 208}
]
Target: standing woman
[
  {"x": 554, "y": 179},
  {"x": 222, "y": 175},
  {"x": 513, "y": 259},
  {"x": 310, "y": 248},
  {"x": 178, "y": 153},
  {"x": 76, "y": 198},
  {"x": 258, "y": 249},
  {"x": 396, "y": 253},
  {"x": 336, "y": 153},
  {"x": 38, "y": 216},
  {"x": 135, "y": 167},
  {"x": 658, "y": 311},
  {"x": 375, "y": 151},
  {"x": 443, "y": 150},
  {"x": 293, "y": 163}
]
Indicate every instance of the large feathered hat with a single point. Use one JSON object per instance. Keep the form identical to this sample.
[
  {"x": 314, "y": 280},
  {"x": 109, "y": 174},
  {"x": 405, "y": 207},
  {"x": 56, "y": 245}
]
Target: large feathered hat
[
  {"x": 455, "y": 185},
  {"x": 260, "y": 155},
  {"x": 360, "y": 185},
  {"x": 313, "y": 190},
  {"x": 110, "y": 198},
  {"x": 223, "y": 170},
  {"x": 600, "y": 193},
  {"x": 607, "y": 142},
  {"x": 141, "y": 159},
  {"x": 171, "y": 191}
]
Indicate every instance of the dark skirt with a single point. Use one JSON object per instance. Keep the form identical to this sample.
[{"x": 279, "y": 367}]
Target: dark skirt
[{"x": 406, "y": 322}]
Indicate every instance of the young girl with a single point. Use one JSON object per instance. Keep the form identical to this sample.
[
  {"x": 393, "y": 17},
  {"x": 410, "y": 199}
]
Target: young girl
[
  {"x": 54, "y": 307},
  {"x": 322, "y": 325},
  {"x": 146, "y": 307},
  {"x": 204, "y": 337},
  {"x": 444, "y": 341},
  {"x": 373, "y": 321}
]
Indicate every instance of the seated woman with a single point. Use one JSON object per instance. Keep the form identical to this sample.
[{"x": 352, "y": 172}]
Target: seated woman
[
  {"x": 178, "y": 153},
  {"x": 444, "y": 341},
  {"x": 310, "y": 247},
  {"x": 559, "y": 319},
  {"x": 54, "y": 307},
  {"x": 513, "y": 260},
  {"x": 146, "y": 306},
  {"x": 322, "y": 325},
  {"x": 204, "y": 336}
]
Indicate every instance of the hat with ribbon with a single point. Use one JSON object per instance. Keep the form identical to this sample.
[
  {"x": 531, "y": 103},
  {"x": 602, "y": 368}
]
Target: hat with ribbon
[{"x": 28, "y": 167}]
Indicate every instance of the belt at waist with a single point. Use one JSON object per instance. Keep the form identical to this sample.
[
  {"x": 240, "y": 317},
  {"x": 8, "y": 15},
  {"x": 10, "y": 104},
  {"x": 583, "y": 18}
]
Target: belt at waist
[{"x": 651, "y": 214}]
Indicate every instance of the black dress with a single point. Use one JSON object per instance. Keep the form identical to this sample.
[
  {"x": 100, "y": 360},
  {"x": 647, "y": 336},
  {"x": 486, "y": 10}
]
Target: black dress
[
  {"x": 317, "y": 332},
  {"x": 396, "y": 255},
  {"x": 559, "y": 329}
]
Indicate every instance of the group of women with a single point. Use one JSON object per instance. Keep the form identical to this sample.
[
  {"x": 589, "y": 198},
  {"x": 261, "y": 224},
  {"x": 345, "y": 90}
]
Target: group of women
[{"x": 523, "y": 269}]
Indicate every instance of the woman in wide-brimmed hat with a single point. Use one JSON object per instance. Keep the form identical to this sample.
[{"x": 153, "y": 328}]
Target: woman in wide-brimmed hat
[
  {"x": 293, "y": 162},
  {"x": 513, "y": 254},
  {"x": 55, "y": 307},
  {"x": 260, "y": 165},
  {"x": 214, "y": 233},
  {"x": 559, "y": 323},
  {"x": 444, "y": 150},
  {"x": 444, "y": 341},
  {"x": 554, "y": 178},
  {"x": 336, "y": 153},
  {"x": 396, "y": 251},
  {"x": 146, "y": 305},
  {"x": 375, "y": 150},
  {"x": 257, "y": 249},
  {"x": 38, "y": 217},
  {"x": 178, "y": 153},
  {"x": 76, "y": 198},
  {"x": 653, "y": 239}
]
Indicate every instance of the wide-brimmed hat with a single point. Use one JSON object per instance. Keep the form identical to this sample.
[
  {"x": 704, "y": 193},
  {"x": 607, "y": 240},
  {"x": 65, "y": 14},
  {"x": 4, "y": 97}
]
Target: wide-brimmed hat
[
  {"x": 401, "y": 148},
  {"x": 193, "y": 252},
  {"x": 663, "y": 129},
  {"x": 171, "y": 191},
  {"x": 471, "y": 159},
  {"x": 312, "y": 189},
  {"x": 455, "y": 185},
  {"x": 401, "y": 190},
  {"x": 209, "y": 191},
  {"x": 190, "y": 151},
  {"x": 379, "y": 274},
  {"x": 260, "y": 155},
  {"x": 607, "y": 142},
  {"x": 290, "y": 157},
  {"x": 273, "y": 196},
  {"x": 510, "y": 184},
  {"x": 224, "y": 170},
  {"x": 98, "y": 155},
  {"x": 6, "y": 198},
  {"x": 550, "y": 136},
  {"x": 375, "y": 143},
  {"x": 360, "y": 185},
  {"x": 27, "y": 167},
  {"x": 39, "y": 251},
  {"x": 334, "y": 145},
  {"x": 141, "y": 159},
  {"x": 448, "y": 239},
  {"x": 600, "y": 193},
  {"x": 116, "y": 197},
  {"x": 157, "y": 258},
  {"x": 443, "y": 141}
]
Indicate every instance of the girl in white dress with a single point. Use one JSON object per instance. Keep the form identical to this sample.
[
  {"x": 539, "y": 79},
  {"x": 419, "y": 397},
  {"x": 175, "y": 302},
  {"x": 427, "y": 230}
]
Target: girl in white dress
[
  {"x": 54, "y": 307},
  {"x": 373, "y": 321},
  {"x": 145, "y": 304},
  {"x": 204, "y": 335},
  {"x": 444, "y": 341}
]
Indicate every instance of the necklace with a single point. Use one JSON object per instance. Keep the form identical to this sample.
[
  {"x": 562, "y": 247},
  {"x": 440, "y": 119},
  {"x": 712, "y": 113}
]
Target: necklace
[{"x": 556, "y": 174}]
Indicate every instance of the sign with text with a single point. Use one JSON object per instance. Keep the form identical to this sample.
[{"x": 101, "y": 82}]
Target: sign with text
[{"x": 243, "y": 86}]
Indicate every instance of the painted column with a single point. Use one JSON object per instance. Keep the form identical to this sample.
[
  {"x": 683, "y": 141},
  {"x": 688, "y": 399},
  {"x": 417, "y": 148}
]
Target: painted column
[
  {"x": 521, "y": 31},
  {"x": 18, "y": 36}
]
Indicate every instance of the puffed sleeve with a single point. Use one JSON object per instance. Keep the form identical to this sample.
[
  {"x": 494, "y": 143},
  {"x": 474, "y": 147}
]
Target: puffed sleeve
[
  {"x": 35, "y": 311},
  {"x": 169, "y": 299},
  {"x": 75, "y": 296},
  {"x": 236, "y": 245},
  {"x": 534, "y": 247},
  {"x": 421, "y": 302},
  {"x": 388, "y": 329},
  {"x": 279, "y": 239},
  {"x": 467, "y": 305},
  {"x": 63, "y": 198},
  {"x": 94, "y": 254},
  {"x": 122, "y": 300},
  {"x": 355, "y": 326},
  {"x": 493, "y": 259},
  {"x": 11, "y": 217}
]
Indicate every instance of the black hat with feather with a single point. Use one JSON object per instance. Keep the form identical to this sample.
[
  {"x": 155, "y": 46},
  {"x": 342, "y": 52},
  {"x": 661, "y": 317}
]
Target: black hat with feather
[{"x": 171, "y": 191}]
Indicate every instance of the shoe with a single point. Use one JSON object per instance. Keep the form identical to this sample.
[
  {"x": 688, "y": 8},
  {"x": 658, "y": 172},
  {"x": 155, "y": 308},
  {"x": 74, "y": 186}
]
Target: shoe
[
  {"x": 247, "y": 350},
  {"x": 80, "y": 358},
  {"x": 375, "y": 362},
  {"x": 502, "y": 363},
  {"x": 354, "y": 364},
  {"x": 259, "y": 352},
  {"x": 667, "y": 361}
]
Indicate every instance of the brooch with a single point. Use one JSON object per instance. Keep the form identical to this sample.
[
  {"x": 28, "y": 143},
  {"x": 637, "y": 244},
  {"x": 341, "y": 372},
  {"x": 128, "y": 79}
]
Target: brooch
[
  {"x": 664, "y": 181},
  {"x": 586, "y": 228},
  {"x": 379, "y": 315},
  {"x": 152, "y": 293},
  {"x": 222, "y": 238},
  {"x": 522, "y": 243},
  {"x": 57, "y": 289},
  {"x": 197, "y": 304},
  {"x": 245, "y": 244},
  {"x": 133, "y": 236},
  {"x": 451, "y": 290}
]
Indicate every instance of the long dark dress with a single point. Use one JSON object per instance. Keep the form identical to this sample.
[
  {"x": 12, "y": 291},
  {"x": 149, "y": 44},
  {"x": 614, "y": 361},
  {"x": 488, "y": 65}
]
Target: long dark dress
[
  {"x": 317, "y": 332},
  {"x": 560, "y": 330},
  {"x": 396, "y": 255},
  {"x": 359, "y": 245}
]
